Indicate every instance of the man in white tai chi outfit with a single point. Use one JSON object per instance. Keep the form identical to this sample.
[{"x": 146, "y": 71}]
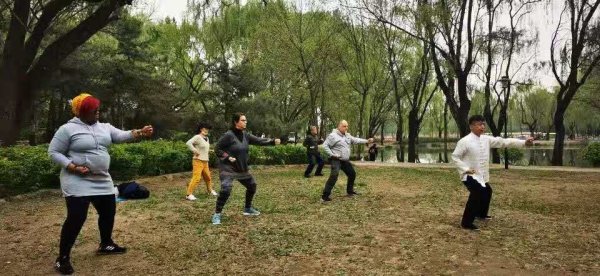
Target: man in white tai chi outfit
[{"x": 472, "y": 157}]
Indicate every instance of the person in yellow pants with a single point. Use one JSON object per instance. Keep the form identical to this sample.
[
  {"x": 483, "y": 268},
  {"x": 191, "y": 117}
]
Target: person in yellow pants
[{"x": 199, "y": 145}]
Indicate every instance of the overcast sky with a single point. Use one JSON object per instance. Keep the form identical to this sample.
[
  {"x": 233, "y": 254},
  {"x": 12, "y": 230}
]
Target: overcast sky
[{"x": 543, "y": 19}]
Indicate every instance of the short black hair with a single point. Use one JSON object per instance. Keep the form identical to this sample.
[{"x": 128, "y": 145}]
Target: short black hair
[
  {"x": 476, "y": 118},
  {"x": 202, "y": 125}
]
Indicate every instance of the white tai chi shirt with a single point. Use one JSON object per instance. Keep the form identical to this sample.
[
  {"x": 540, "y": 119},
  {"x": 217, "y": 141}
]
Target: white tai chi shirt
[{"x": 473, "y": 152}]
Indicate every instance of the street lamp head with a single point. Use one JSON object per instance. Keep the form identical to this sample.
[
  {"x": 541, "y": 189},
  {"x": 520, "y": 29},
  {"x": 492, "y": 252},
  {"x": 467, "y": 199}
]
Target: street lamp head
[{"x": 505, "y": 81}]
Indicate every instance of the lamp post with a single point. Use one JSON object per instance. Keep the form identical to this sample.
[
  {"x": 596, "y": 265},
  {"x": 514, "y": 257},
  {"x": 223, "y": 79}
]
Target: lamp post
[{"x": 505, "y": 81}]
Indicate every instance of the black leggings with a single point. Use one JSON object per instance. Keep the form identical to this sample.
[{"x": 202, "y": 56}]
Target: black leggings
[
  {"x": 226, "y": 187},
  {"x": 77, "y": 209}
]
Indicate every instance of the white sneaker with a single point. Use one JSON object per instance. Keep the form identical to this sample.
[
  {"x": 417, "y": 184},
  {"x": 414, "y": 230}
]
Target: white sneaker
[
  {"x": 190, "y": 197},
  {"x": 212, "y": 192}
]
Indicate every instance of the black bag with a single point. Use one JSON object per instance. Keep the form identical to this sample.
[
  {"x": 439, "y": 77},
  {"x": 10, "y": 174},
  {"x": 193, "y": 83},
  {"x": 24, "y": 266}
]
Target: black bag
[{"x": 133, "y": 190}]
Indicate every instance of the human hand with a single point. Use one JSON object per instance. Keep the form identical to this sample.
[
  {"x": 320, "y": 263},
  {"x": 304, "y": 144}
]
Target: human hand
[
  {"x": 471, "y": 171},
  {"x": 529, "y": 141},
  {"x": 82, "y": 170},
  {"x": 277, "y": 141},
  {"x": 147, "y": 131},
  {"x": 231, "y": 159},
  {"x": 370, "y": 140}
]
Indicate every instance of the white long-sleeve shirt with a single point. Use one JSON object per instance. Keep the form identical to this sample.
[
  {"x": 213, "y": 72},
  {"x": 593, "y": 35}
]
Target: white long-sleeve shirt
[{"x": 473, "y": 152}]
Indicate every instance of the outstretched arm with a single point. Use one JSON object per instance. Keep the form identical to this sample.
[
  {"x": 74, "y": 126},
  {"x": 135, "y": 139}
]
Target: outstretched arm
[
  {"x": 356, "y": 140},
  {"x": 253, "y": 140},
  {"x": 499, "y": 142}
]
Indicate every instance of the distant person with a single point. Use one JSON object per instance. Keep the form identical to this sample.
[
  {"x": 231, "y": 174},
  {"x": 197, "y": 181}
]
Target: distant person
[
  {"x": 373, "y": 152},
  {"x": 232, "y": 151},
  {"x": 80, "y": 147},
  {"x": 199, "y": 145},
  {"x": 337, "y": 146},
  {"x": 312, "y": 142},
  {"x": 472, "y": 157}
]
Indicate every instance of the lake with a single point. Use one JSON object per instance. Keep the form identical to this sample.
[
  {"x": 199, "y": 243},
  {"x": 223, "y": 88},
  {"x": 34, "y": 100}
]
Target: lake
[{"x": 434, "y": 153}]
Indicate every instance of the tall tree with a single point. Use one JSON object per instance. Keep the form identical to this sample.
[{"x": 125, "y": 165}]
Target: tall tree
[
  {"x": 30, "y": 57},
  {"x": 451, "y": 28},
  {"x": 579, "y": 54}
]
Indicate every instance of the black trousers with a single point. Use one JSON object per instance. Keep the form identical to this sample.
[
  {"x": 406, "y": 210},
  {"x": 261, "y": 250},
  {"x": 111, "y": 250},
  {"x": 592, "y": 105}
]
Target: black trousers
[
  {"x": 77, "y": 209},
  {"x": 311, "y": 163},
  {"x": 478, "y": 203},
  {"x": 336, "y": 166}
]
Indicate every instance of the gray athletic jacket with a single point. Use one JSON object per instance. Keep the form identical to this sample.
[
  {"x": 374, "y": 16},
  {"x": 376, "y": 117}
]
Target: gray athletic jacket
[{"x": 338, "y": 144}]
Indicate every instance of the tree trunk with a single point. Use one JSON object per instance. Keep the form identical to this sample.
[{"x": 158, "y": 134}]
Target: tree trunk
[
  {"x": 413, "y": 132},
  {"x": 446, "y": 133},
  {"x": 559, "y": 140},
  {"x": 399, "y": 138}
]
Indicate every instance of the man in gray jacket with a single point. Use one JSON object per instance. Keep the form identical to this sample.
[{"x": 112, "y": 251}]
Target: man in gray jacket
[{"x": 337, "y": 146}]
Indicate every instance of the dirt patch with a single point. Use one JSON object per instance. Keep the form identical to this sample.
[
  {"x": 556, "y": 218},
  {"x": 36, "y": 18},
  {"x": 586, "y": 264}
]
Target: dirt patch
[{"x": 405, "y": 222}]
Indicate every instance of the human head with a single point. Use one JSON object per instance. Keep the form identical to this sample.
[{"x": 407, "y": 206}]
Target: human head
[
  {"x": 314, "y": 130},
  {"x": 85, "y": 107},
  {"x": 203, "y": 128},
  {"x": 239, "y": 121},
  {"x": 477, "y": 124},
  {"x": 342, "y": 126}
]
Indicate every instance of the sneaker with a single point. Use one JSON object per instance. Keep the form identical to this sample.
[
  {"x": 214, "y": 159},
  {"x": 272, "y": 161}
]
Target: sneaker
[
  {"x": 353, "y": 193},
  {"x": 325, "y": 199},
  {"x": 307, "y": 176},
  {"x": 110, "y": 249},
  {"x": 63, "y": 266},
  {"x": 471, "y": 227},
  {"x": 251, "y": 212},
  {"x": 216, "y": 218},
  {"x": 190, "y": 197},
  {"x": 212, "y": 192}
]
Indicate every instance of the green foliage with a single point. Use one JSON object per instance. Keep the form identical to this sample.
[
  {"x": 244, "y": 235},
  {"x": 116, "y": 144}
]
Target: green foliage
[
  {"x": 592, "y": 154},
  {"x": 514, "y": 155},
  {"x": 25, "y": 169}
]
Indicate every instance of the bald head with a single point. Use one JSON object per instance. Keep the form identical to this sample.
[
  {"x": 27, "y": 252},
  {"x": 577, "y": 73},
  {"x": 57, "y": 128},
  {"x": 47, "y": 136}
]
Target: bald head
[{"x": 342, "y": 126}]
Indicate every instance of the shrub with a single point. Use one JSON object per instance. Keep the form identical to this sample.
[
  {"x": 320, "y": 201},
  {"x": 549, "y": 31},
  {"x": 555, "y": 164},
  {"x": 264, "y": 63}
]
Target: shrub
[
  {"x": 514, "y": 155},
  {"x": 25, "y": 169},
  {"x": 591, "y": 153}
]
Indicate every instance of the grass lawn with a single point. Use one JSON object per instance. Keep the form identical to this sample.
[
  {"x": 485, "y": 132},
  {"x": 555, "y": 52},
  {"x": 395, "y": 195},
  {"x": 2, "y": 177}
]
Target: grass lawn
[{"x": 405, "y": 222}]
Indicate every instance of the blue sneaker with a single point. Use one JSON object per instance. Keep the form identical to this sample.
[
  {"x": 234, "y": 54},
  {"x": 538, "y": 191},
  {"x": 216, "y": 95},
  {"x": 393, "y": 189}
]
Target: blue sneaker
[
  {"x": 216, "y": 218},
  {"x": 251, "y": 212}
]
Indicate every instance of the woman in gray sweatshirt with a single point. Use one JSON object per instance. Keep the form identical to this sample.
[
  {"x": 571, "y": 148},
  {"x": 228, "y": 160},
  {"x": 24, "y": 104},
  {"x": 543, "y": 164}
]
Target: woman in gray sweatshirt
[{"x": 80, "y": 147}]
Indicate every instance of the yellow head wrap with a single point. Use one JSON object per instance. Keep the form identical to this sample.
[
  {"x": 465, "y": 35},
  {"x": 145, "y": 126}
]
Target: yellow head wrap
[{"x": 76, "y": 102}]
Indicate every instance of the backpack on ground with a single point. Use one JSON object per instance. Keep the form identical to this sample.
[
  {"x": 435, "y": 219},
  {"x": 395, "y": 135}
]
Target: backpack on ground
[{"x": 133, "y": 190}]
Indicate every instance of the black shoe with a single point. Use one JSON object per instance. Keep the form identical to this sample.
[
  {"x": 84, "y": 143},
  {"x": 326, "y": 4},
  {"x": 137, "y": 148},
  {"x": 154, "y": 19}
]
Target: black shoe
[
  {"x": 485, "y": 218},
  {"x": 319, "y": 174},
  {"x": 63, "y": 266},
  {"x": 353, "y": 193},
  {"x": 307, "y": 176},
  {"x": 111, "y": 249},
  {"x": 471, "y": 227},
  {"x": 325, "y": 199}
]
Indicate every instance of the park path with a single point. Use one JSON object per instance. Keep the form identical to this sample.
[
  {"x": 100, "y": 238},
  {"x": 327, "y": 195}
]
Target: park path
[{"x": 492, "y": 166}]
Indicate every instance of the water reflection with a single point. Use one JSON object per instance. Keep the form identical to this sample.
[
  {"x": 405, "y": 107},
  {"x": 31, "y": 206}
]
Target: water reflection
[{"x": 434, "y": 153}]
